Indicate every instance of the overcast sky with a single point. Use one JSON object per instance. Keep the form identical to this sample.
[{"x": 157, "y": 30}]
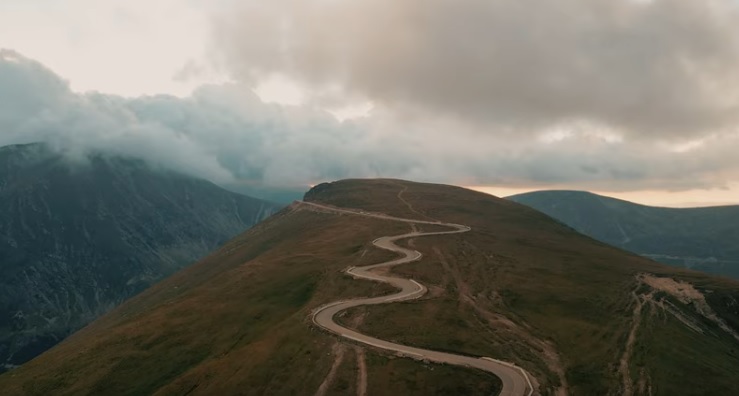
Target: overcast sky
[{"x": 633, "y": 98}]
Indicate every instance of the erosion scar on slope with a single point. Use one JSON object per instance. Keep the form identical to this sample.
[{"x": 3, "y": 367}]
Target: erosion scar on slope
[
  {"x": 361, "y": 371},
  {"x": 549, "y": 354},
  {"x": 628, "y": 350},
  {"x": 408, "y": 204},
  {"x": 338, "y": 351}
]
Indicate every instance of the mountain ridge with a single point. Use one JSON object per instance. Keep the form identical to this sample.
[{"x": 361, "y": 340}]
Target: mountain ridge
[{"x": 700, "y": 238}]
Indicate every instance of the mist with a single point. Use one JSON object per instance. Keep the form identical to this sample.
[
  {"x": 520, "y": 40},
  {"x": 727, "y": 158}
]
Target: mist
[{"x": 226, "y": 134}]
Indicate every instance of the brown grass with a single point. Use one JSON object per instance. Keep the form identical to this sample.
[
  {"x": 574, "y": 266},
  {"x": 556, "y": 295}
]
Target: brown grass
[
  {"x": 238, "y": 321},
  {"x": 235, "y": 323},
  {"x": 560, "y": 287}
]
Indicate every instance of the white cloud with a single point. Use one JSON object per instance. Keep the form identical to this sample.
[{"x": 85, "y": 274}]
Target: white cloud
[{"x": 225, "y": 131}]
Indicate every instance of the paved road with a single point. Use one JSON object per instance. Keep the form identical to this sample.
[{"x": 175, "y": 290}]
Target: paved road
[{"x": 515, "y": 380}]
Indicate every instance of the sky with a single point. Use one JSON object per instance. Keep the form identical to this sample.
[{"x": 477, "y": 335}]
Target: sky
[{"x": 637, "y": 99}]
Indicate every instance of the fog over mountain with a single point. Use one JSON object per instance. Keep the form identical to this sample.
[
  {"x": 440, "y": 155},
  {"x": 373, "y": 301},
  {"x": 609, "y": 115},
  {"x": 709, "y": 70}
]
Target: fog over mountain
[
  {"x": 79, "y": 238},
  {"x": 219, "y": 197},
  {"x": 597, "y": 95}
]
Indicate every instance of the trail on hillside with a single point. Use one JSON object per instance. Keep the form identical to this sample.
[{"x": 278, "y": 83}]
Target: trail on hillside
[
  {"x": 624, "y": 362},
  {"x": 408, "y": 204},
  {"x": 498, "y": 321},
  {"x": 338, "y": 351},
  {"x": 361, "y": 372},
  {"x": 515, "y": 380}
]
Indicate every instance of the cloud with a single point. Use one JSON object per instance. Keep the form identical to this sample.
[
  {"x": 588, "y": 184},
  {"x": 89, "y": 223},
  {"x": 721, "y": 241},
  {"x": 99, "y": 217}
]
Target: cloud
[
  {"x": 37, "y": 105},
  {"x": 128, "y": 47},
  {"x": 660, "y": 69},
  {"x": 28, "y": 89},
  {"x": 225, "y": 133}
]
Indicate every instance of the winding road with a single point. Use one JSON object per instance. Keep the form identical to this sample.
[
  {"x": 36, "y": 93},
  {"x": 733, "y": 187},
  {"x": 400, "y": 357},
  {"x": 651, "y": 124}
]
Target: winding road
[{"x": 516, "y": 381}]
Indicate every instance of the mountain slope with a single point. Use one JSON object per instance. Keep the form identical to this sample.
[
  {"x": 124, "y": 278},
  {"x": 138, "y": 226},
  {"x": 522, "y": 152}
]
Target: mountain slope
[
  {"x": 703, "y": 239},
  {"x": 280, "y": 195},
  {"x": 79, "y": 237},
  {"x": 584, "y": 318}
]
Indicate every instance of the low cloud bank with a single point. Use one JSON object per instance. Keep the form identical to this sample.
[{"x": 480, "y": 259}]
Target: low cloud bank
[{"x": 226, "y": 134}]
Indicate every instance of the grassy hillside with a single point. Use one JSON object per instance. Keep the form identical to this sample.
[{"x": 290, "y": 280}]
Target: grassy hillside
[
  {"x": 585, "y": 318},
  {"x": 703, "y": 239}
]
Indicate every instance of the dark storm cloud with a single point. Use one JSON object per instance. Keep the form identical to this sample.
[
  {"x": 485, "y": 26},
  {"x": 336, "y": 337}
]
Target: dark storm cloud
[{"x": 660, "y": 68}]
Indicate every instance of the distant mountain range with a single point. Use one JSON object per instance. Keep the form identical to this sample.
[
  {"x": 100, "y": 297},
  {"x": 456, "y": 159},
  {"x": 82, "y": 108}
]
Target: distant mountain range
[
  {"x": 704, "y": 239},
  {"x": 80, "y": 236}
]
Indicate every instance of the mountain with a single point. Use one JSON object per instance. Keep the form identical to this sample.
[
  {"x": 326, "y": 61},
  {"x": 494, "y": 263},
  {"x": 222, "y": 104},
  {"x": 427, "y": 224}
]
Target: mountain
[
  {"x": 280, "y": 195},
  {"x": 580, "y": 316},
  {"x": 704, "y": 239},
  {"x": 80, "y": 236}
]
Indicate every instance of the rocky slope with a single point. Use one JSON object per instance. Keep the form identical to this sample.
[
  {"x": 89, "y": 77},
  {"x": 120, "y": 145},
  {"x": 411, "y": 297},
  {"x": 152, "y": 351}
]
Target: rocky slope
[
  {"x": 703, "y": 239},
  {"x": 78, "y": 237},
  {"x": 582, "y": 317}
]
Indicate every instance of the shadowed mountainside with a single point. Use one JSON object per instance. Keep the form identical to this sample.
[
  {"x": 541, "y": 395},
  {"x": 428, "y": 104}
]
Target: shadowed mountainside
[
  {"x": 704, "y": 239},
  {"x": 78, "y": 237},
  {"x": 583, "y": 317}
]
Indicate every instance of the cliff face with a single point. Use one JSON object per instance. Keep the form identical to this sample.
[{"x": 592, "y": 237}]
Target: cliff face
[{"x": 78, "y": 237}]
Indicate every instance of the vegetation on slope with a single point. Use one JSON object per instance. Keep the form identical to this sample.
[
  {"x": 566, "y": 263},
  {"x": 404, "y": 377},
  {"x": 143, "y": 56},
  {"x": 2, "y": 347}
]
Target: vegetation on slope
[
  {"x": 525, "y": 288},
  {"x": 519, "y": 286},
  {"x": 237, "y": 322}
]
